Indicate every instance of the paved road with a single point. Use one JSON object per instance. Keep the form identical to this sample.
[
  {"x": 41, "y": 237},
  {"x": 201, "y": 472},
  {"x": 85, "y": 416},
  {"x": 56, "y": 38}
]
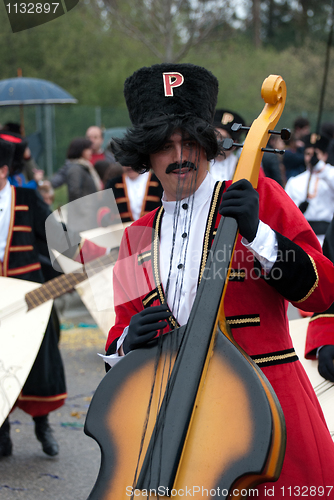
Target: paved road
[{"x": 29, "y": 474}]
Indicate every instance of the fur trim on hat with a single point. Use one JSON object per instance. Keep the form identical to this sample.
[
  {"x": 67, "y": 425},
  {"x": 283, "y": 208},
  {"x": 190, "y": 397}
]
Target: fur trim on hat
[{"x": 171, "y": 89}]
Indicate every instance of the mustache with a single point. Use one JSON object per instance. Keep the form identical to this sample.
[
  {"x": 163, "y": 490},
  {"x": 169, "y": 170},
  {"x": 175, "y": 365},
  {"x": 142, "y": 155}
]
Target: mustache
[{"x": 178, "y": 166}]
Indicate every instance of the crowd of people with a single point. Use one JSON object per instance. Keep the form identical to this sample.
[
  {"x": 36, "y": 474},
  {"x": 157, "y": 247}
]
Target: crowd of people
[{"x": 171, "y": 173}]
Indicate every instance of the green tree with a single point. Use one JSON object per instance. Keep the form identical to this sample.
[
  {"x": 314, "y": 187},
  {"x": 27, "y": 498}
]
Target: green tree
[{"x": 168, "y": 28}]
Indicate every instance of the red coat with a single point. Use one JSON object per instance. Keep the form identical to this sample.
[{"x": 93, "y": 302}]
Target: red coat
[
  {"x": 256, "y": 310},
  {"x": 320, "y": 330}
]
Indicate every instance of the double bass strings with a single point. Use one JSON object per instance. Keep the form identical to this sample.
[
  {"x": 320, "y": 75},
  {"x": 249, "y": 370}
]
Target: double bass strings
[
  {"x": 171, "y": 343},
  {"x": 175, "y": 300}
]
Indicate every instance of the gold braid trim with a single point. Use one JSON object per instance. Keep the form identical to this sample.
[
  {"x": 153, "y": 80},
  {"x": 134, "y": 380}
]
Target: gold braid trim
[
  {"x": 143, "y": 256},
  {"x": 243, "y": 320},
  {"x": 315, "y": 284},
  {"x": 275, "y": 358},
  {"x": 145, "y": 301},
  {"x": 239, "y": 274},
  {"x": 209, "y": 224},
  {"x": 155, "y": 256},
  {"x": 322, "y": 316}
]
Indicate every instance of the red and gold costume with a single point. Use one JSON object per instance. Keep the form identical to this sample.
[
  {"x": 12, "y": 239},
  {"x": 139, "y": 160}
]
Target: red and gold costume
[
  {"x": 256, "y": 310},
  {"x": 151, "y": 198}
]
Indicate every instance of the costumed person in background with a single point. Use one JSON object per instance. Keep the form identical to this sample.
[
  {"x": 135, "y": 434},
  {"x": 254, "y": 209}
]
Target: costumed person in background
[
  {"x": 320, "y": 331},
  {"x": 277, "y": 259},
  {"x": 30, "y": 169},
  {"x": 22, "y": 221},
  {"x": 16, "y": 176},
  {"x": 135, "y": 193},
  {"x": 313, "y": 190},
  {"x": 223, "y": 167}
]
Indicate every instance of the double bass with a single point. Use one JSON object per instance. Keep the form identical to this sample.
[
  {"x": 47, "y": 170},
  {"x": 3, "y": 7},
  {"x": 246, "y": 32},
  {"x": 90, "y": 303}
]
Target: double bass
[{"x": 191, "y": 413}]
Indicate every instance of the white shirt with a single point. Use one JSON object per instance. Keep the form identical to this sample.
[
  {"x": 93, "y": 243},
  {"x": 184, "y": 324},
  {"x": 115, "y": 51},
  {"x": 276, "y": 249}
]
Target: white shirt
[
  {"x": 5, "y": 203},
  {"x": 136, "y": 192},
  {"x": 186, "y": 251}
]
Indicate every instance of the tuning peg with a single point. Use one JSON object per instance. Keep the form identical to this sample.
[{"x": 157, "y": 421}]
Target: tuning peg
[
  {"x": 229, "y": 144},
  {"x": 276, "y": 151},
  {"x": 284, "y": 133},
  {"x": 238, "y": 126}
]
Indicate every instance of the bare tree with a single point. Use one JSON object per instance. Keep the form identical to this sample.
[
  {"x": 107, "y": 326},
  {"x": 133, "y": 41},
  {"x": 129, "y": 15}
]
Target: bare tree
[{"x": 169, "y": 28}]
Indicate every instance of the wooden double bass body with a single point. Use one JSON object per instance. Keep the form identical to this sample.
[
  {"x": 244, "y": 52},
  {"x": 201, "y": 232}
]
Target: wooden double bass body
[{"x": 191, "y": 414}]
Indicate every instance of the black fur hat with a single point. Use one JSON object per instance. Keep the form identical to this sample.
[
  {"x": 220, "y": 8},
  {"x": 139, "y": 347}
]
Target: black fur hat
[
  {"x": 171, "y": 89},
  {"x": 20, "y": 144},
  {"x": 6, "y": 153},
  {"x": 224, "y": 118}
]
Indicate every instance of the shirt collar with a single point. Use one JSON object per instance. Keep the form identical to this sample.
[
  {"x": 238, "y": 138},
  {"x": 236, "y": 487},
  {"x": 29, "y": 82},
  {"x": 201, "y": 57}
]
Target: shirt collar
[{"x": 201, "y": 195}]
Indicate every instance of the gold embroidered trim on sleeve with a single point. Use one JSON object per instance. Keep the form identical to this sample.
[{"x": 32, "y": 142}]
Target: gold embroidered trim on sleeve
[
  {"x": 243, "y": 320},
  {"x": 145, "y": 301},
  {"x": 274, "y": 358},
  {"x": 315, "y": 284},
  {"x": 237, "y": 274},
  {"x": 143, "y": 256}
]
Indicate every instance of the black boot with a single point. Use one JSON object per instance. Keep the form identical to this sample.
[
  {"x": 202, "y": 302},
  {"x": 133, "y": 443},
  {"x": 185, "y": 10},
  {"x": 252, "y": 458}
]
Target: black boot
[
  {"x": 6, "y": 445},
  {"x": 44, "y": 435}
]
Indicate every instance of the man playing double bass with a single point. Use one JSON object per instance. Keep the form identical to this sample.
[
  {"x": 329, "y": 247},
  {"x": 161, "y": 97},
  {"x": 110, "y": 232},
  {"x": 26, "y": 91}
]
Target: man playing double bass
[{"x": 277, "y": 257}]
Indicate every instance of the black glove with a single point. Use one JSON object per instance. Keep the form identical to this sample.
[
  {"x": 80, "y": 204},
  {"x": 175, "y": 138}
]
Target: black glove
[
  {"x": 326, "y": 362},
  {"x": 303, "y": 206},
  {"x": 144, "y": 325},
  {"x": 241, "y": 202}
]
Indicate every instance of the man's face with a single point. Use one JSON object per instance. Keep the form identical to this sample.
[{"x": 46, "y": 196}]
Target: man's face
[
  {"x": 94, "y": 134},
  {"x": 184, "y": 180}
]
